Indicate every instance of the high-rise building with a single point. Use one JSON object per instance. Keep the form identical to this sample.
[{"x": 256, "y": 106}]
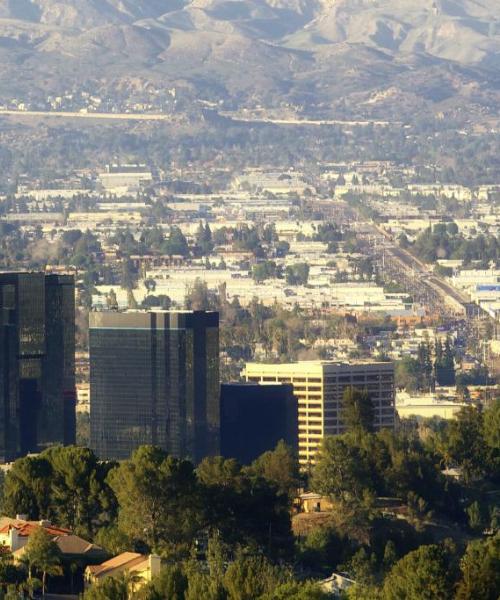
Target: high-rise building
[
  {"x": 255, "y": 417},
  {"x": 319, "y": 387},
  {"x": 38, "y": 360},
  {"x": 154, "y": 379},
  {"x": 9, "y": 394}
]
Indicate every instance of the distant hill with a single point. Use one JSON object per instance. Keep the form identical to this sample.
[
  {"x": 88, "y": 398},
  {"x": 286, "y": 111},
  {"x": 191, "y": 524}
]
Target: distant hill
[{"x": 378, "y": 55}]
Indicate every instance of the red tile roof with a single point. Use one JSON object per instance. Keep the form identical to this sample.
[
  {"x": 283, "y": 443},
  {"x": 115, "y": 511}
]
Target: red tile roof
[{"x": 26, "y": 528}]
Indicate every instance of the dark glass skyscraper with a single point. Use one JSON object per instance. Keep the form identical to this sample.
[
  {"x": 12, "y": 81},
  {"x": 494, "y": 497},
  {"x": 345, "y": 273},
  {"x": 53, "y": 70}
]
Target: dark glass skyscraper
[
  {"x": 9, "y": 394},
  {"x": 255, "y": 417},
  {"x": 154, "y": 379},
  {"x": 37, "y": 356}
]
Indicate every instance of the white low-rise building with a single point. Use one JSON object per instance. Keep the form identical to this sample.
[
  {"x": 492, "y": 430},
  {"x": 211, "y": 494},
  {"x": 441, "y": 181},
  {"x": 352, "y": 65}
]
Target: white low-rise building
[{"x": 426, "y": 406}]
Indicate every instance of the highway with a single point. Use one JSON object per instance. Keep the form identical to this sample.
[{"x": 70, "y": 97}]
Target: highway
[
  {"x": 241, "y": 118},
  {"x": 419, "y": 276},
  {"x": 89, "y": 115}
]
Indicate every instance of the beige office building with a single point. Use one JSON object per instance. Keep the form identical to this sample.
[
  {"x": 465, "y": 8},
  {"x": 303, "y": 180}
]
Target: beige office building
[{"x": 319, "y": 386}]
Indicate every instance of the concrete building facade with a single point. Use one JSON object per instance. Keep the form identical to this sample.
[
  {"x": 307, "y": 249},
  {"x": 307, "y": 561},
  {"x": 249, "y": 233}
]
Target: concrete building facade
[{"x": 319, "y": 387}]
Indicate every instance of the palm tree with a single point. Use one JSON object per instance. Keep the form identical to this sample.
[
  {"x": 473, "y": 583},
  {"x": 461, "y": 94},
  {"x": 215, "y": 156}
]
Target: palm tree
[{"x": 42, "y": 554}]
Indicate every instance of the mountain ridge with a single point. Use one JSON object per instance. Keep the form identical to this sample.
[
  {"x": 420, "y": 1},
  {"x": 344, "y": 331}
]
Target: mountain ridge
[{"x": 267, "y": 51}]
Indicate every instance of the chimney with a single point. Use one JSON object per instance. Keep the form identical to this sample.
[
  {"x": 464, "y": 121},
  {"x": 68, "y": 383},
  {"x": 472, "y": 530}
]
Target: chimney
[
  {"x": 44, "y": 523},
  {"x": 21, "y": 517},
  {"x": 14, "y": 540},
  {"x": 154, "y": 564}
]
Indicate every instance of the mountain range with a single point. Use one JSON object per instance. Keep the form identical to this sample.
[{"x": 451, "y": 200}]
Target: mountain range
[{"x": 320, "y": 53}]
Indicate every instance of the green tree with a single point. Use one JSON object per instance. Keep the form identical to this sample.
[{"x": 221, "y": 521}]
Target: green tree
[
  {"x": 280, "y": 468},
  {"x": 491, "y": 435},
  {"x": 282, "y": 249},
  {"x": 111, "y": 300},
  {"x": 341, "y": 471},
  {"x": 250, "y": 577},
  {"x": 475, "y": 516},
  {"x": 294, "y": 590},
  {"x": 170, "y": 583},
  {"x": 390, "y": 555},
  {"x": 269, "y": 234},
  {"x": 161, "y": 301},
  {"x": 264, "y": 270},
  {"x": 176, "y": 243},
  {"x": 322, "y": 549},
  {"x": 491, "y": 425},
  {"x": 444, "y": 363},
  {"x": 113, "y": 539},
  {"x": 199, "y": 297},
  {"x": 10, "y": 574},
  {"x": 362, "y": 567},
  {"x": 407, "y": 374},
  {"x": 204, "y": 239},
  {"x": 420, "y": 575},
  {"x": 109, "y": 588},
  {"x": 27, "y": 488},
  {"x": 465, "y": 444},
  {"x": 201, "y": 585},
  {"x": 127, "y": 275},
  {"x": 79, "y": 495},
  {"x": 357, "y": 409},
  {"x": 297, "y": 274},
  {"x": 42, "y": 554},
  {"x": 165, "y": 489},
  {"x": 480, "y": 567},
  {"x": 425, "y": 368},
  {"x": 245, "y": 508}
]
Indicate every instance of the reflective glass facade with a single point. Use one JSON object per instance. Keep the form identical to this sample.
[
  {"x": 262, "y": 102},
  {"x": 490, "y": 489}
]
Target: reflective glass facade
[
  {"x": 58, "y": 417},
  {"x": 41, "y": 311},
  {"x": 9, "y": 395},
  {"x": 154, "y": 379},
  {"x": 254, "y": 418}
]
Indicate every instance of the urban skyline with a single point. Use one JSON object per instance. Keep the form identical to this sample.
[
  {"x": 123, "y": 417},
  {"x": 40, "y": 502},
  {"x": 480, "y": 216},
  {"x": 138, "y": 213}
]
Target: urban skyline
[{"x": 250, "y": 300}]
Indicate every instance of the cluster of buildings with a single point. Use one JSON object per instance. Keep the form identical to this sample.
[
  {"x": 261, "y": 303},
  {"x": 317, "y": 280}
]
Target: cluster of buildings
[
  {"x": 146, "y": 100},
  {"x": 182, "y": 347},
  {"x": 154, "y": 379},
  {"x": 83, "y": 563}
]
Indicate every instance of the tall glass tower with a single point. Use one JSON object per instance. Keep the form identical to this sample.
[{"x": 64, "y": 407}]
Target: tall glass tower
[
  {"x": 9, "y": 394},
  {"x": 154, "y": 379},
  {"x": 37, "y": 355}
]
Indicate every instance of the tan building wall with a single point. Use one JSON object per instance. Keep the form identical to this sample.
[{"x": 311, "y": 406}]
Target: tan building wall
[{"x": 319, "y": 386}]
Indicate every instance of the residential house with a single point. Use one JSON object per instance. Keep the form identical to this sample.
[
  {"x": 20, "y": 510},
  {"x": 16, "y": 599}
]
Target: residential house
[{"x": 140, "y": 567}]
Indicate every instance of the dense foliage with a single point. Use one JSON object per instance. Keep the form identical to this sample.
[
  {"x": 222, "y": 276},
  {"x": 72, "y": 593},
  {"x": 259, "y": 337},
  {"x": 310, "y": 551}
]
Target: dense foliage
[{"x": 225, "y": 530}]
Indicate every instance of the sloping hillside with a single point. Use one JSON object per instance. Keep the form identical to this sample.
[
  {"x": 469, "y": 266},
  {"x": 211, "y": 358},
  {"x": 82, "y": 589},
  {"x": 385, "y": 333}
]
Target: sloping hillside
[{"x": 308, "y": 52}]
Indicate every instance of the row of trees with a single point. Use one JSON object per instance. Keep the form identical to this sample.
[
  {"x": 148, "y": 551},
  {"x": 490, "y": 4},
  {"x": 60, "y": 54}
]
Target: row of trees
[
  {"x": 359, "y": 464},
  {"x": 444, "y": 241},
  {"x": 393, "y": 559},
  {"x": 435, "y": 572},
  {"x": 157, "y": 502},
  {"x": 70, "y": 487},
  {"x": 249, "y": 576},
  {"x": 433, "y": 364},
  {"x": 297, "y": 274}
]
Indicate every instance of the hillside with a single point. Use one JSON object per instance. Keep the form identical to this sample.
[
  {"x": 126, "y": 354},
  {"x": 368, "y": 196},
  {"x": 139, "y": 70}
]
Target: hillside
[{"x": 376, "y": 54}]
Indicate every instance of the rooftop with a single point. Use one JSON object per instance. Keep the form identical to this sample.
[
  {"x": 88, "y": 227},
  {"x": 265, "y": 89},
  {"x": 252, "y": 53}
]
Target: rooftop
[{"x": 124, "y": 560}]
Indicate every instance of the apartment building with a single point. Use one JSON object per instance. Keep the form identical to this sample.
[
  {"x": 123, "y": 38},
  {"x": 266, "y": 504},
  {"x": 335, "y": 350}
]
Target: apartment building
[{"x": 319, "y": 386}]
